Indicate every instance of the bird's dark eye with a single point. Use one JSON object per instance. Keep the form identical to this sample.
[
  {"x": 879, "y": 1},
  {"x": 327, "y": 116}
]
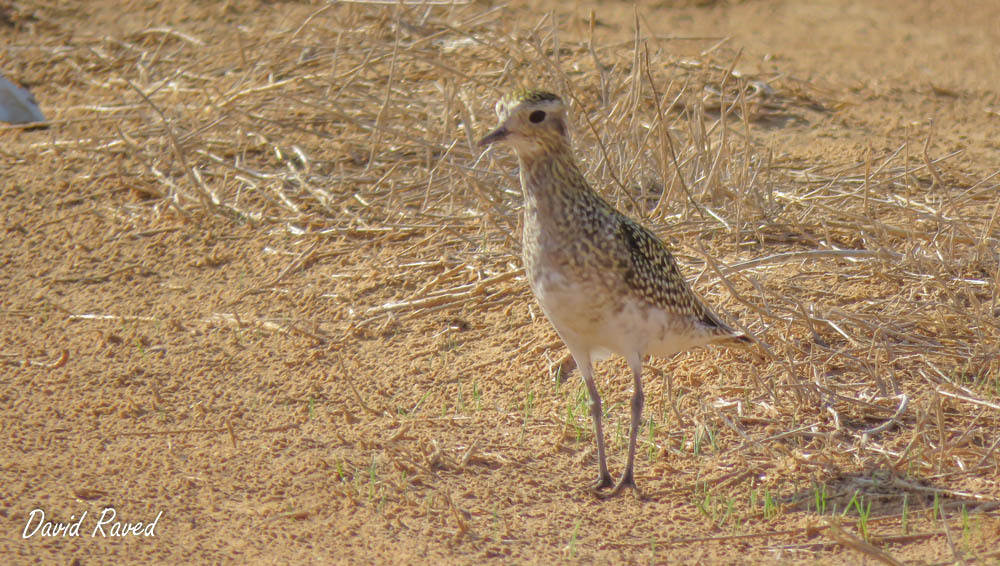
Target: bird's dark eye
[{"x": 537, "y": 116}]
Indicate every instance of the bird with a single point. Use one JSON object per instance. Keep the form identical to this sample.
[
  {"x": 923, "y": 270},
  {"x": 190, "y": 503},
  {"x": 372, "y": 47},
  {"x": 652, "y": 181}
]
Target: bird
[{"x": 606, "y": 283}]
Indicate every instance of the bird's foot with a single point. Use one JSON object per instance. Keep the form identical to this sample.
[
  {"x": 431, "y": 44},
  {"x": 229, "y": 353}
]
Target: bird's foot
[
  {"x": 604, "y": 481},
  {"x": 626, "y": 481}
]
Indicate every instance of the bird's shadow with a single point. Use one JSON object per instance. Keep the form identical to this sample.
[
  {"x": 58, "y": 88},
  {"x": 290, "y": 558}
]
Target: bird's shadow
[{"x": 883, "y": 494}]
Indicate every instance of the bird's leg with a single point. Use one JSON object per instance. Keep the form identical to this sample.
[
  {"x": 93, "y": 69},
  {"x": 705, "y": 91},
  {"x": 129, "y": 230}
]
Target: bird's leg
[
  {"x": 586, "y": 368},
  {"x": 628, "y": 478}
]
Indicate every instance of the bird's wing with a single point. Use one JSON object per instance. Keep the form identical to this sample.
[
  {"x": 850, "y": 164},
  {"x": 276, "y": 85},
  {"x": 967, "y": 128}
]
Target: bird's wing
[{"x": 652, "y": 273}]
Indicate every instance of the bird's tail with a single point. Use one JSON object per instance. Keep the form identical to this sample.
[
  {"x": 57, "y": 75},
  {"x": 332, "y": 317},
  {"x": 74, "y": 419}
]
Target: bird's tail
[
  {"x": 724, "y": 334},
  {"x": 738, "y": 339}
]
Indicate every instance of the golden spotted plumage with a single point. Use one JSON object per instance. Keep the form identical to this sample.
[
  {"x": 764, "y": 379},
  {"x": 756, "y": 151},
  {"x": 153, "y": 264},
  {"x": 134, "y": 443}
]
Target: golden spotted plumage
[{"x": 605, "y": 282}]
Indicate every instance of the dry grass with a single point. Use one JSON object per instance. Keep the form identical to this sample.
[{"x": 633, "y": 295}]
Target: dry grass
[{"x": 870, "y": 284}]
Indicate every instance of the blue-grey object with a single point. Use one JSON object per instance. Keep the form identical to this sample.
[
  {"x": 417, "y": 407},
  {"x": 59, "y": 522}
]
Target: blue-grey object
[{"x": 17, "y": 105}]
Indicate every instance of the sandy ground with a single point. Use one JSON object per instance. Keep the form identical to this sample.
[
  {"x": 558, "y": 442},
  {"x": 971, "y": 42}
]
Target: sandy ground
[{"x": 252, "y": 384}]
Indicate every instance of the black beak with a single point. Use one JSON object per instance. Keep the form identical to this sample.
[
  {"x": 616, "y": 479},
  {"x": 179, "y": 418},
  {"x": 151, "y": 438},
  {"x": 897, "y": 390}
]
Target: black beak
[{"x": 494, "y": 136}]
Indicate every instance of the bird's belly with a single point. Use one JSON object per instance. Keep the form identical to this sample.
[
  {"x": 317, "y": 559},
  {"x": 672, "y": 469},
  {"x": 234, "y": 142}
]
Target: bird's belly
[{"x": 591, "y": 317}]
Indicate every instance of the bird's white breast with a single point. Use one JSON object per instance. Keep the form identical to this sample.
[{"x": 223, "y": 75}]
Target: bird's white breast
[{"x": 590, "y": 317}]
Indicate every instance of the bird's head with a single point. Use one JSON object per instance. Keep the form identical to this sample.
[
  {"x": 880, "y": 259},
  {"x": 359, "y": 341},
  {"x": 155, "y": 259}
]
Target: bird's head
[{"x": 531, "y": 121}]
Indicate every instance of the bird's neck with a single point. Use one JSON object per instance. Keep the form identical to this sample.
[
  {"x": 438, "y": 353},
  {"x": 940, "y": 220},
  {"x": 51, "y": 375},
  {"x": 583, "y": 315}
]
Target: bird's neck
[{"x": 552, "y": 183}]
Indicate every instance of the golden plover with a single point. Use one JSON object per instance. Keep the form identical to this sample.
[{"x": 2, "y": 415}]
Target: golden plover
[{"x": 607, "y": 284}]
